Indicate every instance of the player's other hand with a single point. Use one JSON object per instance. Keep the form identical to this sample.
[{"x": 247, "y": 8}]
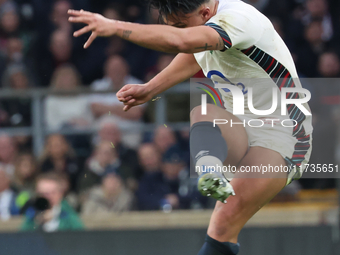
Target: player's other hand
[
  {"x": 95, "y": 23},
  {"x": 133, "y": 94}
]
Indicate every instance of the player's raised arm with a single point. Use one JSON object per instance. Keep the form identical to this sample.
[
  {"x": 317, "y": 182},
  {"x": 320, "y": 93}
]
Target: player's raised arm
[
  {"x": 180, "y": 69},
  {"x": 172, "y": 39}
]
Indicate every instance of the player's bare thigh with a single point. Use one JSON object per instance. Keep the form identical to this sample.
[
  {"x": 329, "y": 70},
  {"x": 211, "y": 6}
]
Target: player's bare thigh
[
  {"x": 236, "y": 136},
  {"x": 251, "y": 195}
]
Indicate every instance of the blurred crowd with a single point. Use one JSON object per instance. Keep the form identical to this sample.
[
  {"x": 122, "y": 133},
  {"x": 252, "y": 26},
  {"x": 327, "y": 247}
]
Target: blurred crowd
[{"x": 112, "y": 170}]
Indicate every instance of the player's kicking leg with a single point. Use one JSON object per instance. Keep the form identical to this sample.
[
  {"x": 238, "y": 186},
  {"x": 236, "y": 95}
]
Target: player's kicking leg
[
  {"x": 214, "y": 146},
  {"x": 211, "y": 146}
]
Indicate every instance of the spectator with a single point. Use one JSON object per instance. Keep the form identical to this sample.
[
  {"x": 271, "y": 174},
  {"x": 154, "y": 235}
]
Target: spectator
[
  {"x": 116, "y": 76},
  {"x": 51, "y": 16},
  {"x": 308, "y": 54},
  {"x": 59, "y": 157},
  {"x": 23, "y": 181},
  {"x": 7, "y": 197},
  {"x": 61, "y": 47},
  {"x": 111, "y": 196},
  {"x": 140, "y": 59},
  {"x": 4, "y": 39},
  {"x": 14, "y": 51},
  {"x": 104, "y": 158},
  {"x": 116, "y": 45},
  {"x": 17, "y": 49},
  {"x": 164, "y": 138},
  {"x": 59, "y": 17},
  {"x": 67, "y": 109},
  {"x": 24, "y": 174},
  {"x": 329, "y": 65},
  {"x": 325, "y": 90},
  {"x": 148, "y": 195},
  {"x": 58, "y": 215},
  {"x": 8, "y": 153},
  {"x": 149, "y": 158},
  {"x": 9, "y": 24},
  {"x": 58, "y": 54},
  {"x": 17, "y": 77},
  {"x": 24, "y": 143},
  {"x": 16, "y": 55},
  {"x": 17, "y": 110},
  {"x": 109, "y": 131},
  {"x": 162, "y": 62},
  {"x": 169, "y": 189},
  {"x": 180, "y": 187},
  {"x": 153, "y": 16},
  {"x": 108, "y": 106},
  {"x": 307, "y": 13},
  {"x": 318, "y": 9}
]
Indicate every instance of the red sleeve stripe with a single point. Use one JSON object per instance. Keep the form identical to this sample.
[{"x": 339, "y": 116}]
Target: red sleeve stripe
[{"x": 225, "y": 37}]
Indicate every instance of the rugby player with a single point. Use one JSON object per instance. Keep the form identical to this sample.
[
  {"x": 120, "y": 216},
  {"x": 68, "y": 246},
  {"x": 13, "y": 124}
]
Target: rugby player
[{"x": 228, "y": 40}]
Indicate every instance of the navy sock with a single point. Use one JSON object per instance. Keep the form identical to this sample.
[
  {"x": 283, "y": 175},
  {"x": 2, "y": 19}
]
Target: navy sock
[
  {"x": 205, "y": 139},
  {"x": 214, "y": 247}
]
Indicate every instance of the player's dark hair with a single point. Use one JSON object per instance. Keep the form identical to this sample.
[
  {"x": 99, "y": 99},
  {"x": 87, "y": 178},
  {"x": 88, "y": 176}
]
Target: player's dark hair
[{"x": 175, "y": 7}]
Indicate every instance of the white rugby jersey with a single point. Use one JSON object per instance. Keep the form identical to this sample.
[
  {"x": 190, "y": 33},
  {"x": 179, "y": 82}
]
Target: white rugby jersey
[{"x": 254, "y": 56}]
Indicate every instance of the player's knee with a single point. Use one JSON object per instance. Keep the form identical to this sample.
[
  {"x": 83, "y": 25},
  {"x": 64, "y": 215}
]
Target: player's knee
[{"x": 196, "y": 114}]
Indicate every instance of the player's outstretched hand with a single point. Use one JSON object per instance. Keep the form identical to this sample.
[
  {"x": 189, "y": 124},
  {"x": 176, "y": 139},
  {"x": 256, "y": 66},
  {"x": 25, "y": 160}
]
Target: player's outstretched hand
[
  {"x": 133, "y": 94},
  {"x": 95, "y": 23}
]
